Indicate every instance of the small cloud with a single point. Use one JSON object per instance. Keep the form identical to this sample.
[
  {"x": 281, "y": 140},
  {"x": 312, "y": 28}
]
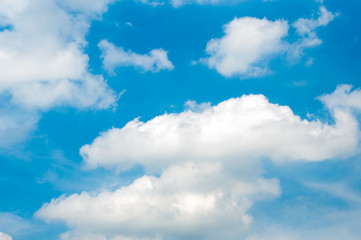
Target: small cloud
[
  {"x": 113, "y": 57},
  {"x": 238, "y": 54}
]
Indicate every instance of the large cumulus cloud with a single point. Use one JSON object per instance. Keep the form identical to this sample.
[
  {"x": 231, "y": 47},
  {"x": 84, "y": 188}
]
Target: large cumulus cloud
[
  {"x": 204, "y": 168},
  {"x": 236, "y": 129}
]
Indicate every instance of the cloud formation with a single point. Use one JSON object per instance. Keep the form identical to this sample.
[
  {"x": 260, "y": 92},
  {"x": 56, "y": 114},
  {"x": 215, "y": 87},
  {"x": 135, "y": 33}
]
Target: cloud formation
[
  {"x": 236, "y": 129},
  {"x": 41, "y": 49},
  {"x": 250, "y": 43},
  {"x": 43, "y": 64},
  {"x": 113, "y": 57},
  {"x": 343, "y": 98},
  {"x": 204, "y": 169},
  {"x": 183, "y": 202},
  {"x": 246, "y": 45}
]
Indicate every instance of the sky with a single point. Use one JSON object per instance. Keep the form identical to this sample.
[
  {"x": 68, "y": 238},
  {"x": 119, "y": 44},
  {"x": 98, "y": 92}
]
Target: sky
[{"x": 180, "y": 119}]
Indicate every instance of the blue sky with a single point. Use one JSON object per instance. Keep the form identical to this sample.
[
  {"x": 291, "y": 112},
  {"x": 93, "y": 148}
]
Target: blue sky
[{"x": 180, "y": 119}]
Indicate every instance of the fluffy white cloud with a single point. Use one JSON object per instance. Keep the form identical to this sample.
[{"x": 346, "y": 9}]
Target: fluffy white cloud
[
  {"x": 250, "y": 43},
  {"x": 43, "y": 64},
  {"x": 4, "y": 236},
  {"x": 187, "y": 201},
  {"x": 233, "y": 130},
  {"x": 343, "y": 98},
  {"x": 43, "y": 46},
  {"x": 155, "y": 61},
  {"x": 246, "y": 46}
]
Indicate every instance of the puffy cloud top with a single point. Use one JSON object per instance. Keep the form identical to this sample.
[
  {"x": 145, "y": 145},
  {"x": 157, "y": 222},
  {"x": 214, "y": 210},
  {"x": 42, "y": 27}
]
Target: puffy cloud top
[
  {"x": 236, "y": 129},
  {"x": 247, "y": 43},
  {"x": 250, "y": 43},
  {"x": 205, "y": 168}
]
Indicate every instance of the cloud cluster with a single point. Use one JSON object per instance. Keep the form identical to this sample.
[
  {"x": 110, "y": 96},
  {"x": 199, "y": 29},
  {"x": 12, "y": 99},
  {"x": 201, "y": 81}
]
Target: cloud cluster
[
  {"x": 204, "y": 169},
  {"x": 113, "y": 57},
  {"x": 249, "y": 44}
]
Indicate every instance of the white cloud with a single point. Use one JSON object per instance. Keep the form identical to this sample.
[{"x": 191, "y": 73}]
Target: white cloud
[
  {"x": 246, "y": 46},
  {"x": 187, "y": 201},
  {"x": 206, "y": 169},
  {"x": 233, "y": 130},
  {"x": 306, "y": 28},
  {"x": 43, "y": 64},
  {"x": 44, "y": 47},
  {"x": 250, "y": 43},
  {"x": 343, "y": 98},
  {"x": 4, "y": 236},
  {"x": 155, "y": 61}
]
